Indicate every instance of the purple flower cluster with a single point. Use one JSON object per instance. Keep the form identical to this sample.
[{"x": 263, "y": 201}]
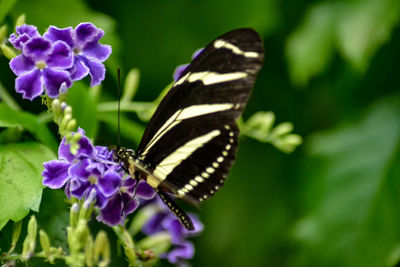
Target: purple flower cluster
[
  {"x": 53, "y": 61},
  {"x": 90, "y": 173},
  {"x": 165, "y": 220}
]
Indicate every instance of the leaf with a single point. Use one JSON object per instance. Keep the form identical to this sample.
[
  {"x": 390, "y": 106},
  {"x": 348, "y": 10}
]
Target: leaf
[
  {"x": 13, "y": 118},
  {"x": 309, "y": 49},
  {"x": 83, "y": 108},
  {"x": 353, "y": 197},
  {"x": 363, "y": 26},
  {"x": 21, "y": 186},
  {"x": 356, "y": 29}
]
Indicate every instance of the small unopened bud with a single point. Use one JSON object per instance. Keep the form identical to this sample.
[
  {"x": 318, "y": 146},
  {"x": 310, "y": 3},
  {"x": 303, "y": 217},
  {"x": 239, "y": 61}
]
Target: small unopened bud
[
  {"x": 29, "y": 244},
  {"x": 74, "y": 214},
  {"x": 89, "y": 251},
  {"x": 101, "y": 249},
  {"x": 76, "y": 137},
  {"x": 63, "y": 88},
  {"x": 71, "y": 125},
  {"x": 67, "y": 110},
  {"x": 45, "y": 244},
  {"x": 20, "y": 20},
  {"x": 16, "y": 232}
]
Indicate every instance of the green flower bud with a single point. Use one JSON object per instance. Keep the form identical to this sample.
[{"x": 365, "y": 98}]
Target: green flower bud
[
  {"x": 29, "y": 244},
  {"x": 74, "y": 214},
  {"x": 45, "y": 244},
  {"x": 89, "y": 251},
  {"x": 16, "y": 232},
  {"x": 102, "y": 249}
]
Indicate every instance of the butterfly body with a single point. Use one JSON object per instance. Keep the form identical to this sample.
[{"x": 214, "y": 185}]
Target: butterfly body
[{"x": 190, "y": 142}]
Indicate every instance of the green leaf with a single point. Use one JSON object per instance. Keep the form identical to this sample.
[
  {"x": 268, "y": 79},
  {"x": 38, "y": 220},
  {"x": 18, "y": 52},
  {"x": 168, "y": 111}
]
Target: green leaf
[
  {"x": 5, "y": 7},
  {"x": 309, "y": 49},
  {"x": 13, "y": 118},
  {"x": 353, "y": 191},
  {"x": 21, "y": 186},
  {"x": 363, "y": 26},
  {"x": 357, "y": 29},
  {"x": 84, "y": 108}
]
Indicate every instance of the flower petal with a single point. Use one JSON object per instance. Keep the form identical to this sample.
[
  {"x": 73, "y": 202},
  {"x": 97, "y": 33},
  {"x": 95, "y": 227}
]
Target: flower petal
[
  {"x": 55, "y": 34},
  {"x": 154, "y": 224},
  {"x": 78, "y": 70},
  {"x": 61, "y": 57},
  {"x": 21, "y": 64},
  {"x": 176, "y": 229},
  {"x": 18, "y": 41},
  {"x": 37, "y": 49},
  {"x": 185, "y": 250},
  {"x": 96, "y": 70},
  {"x": 109, "y": 183},
  {"x": 179, "y": 70},
  {"x": 53, "y": 79},
  {"x": 30, "y": 30},
  {"x": 79, "y": 188},
  {"x": 55, "y": 173},
  {"x": 78, "y": 169},
  {"x": 111, "y": 214},
  {"x": 145, "y": 191},
  {"x": 85, "y": 33},
  {"x": 29, "y": 84},
  {"x": 130, "y": 204},
  {"x": 97, "y": 51}
]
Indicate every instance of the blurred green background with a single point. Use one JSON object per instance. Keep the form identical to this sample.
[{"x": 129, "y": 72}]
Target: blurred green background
[{"x": 331, "y": 67}]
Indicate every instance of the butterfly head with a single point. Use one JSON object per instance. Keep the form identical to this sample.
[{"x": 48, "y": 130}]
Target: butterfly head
[{"x": 122, "y": 154}]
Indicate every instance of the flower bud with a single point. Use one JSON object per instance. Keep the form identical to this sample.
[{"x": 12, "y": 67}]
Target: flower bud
[
  {"x": 282, "y": 129},
  {"x": 29, "y": 244},
  {"x": 101, "y": 248},
  {"x": 16, "y": 232},
  {"x": 74, "y": 214},
  {"x": 45, "y": 244}
]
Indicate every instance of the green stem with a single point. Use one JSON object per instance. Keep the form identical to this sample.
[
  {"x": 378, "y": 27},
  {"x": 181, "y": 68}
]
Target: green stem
[{"x": 125, "y": 106}]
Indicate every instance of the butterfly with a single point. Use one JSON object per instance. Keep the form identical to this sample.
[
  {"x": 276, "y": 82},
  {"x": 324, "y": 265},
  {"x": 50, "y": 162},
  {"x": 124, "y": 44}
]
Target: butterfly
[{"x": 191, "y": 140}]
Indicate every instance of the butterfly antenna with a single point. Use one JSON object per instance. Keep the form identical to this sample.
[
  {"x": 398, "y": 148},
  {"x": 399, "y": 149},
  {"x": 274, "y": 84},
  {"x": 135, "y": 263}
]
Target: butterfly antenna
[{"x": 119, "y": 106}]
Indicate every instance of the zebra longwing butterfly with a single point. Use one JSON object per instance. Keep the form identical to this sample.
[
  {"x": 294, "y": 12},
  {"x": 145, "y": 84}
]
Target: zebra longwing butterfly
[{"x": 190, "y": 142}]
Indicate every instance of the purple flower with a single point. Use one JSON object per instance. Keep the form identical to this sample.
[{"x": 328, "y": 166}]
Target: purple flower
[
  {"x": 88, "y": 52},
  {"x": 23, "y": 34},
  {"x": 165, "y": 220},
  {"x": 90, "y": 173},
  {"x": 181, "y": 68},
  {"x": 124, "y": 202},
  {"x": 42, "y": 66}
]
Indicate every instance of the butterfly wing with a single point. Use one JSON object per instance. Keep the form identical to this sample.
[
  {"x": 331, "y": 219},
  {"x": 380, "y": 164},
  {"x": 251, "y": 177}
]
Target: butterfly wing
[{"x": 191, "y": 140}]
